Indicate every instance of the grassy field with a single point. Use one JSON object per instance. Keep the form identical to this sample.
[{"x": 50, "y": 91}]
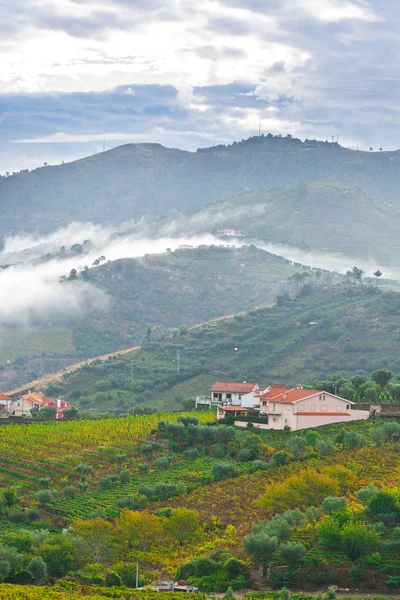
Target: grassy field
[{"x": 29, "y": 342}]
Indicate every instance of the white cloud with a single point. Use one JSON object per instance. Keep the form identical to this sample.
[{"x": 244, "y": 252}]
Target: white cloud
[{"x": 339, "y": 10}]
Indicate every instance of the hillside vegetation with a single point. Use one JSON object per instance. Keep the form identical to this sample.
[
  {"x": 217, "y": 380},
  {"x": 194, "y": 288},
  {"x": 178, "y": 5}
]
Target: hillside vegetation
[
  {"x": 200, "y": 501},
  {"x": 350, "y": 329},
  {"x": 138, "y": 180},
  {"x": 173, "y": 289},
  {"x": 321, "y": 217}
]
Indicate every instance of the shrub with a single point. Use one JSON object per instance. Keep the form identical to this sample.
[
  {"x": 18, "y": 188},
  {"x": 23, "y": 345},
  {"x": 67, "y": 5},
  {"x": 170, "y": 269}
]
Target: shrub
[
  {"x": 38, "y": 569},
  {"x": 218, "y": 451},
  {"x": 356, "y": 575},
  {"x": 324, "y": 446},
  {"x": 224, "y": 471},
  {"x": 69, "y": 492},
  {"x": 191, "y": 454},
  {"x": 33, "y": 514},
  {"x": 246, "y": 455},
  {"x": 296, "y": 446},
  {"x": 261, "y": 546},
  {"x": 162, "y": 463},
  {"x": 143, "y": 468},
  {"x": 333, "y": 503},
  {"x": 126, "y": 502},
  {"x": 45, "y": 482},
  {"x": 124, "y": 477},
  {"x": 292, "y": 553},
  {"x": 365, "y": 493},
  {"x": 105, "y": 482},
  {"x": 113, "y": 579},
  {"x": 44, "y": 497},
  {"x": 84, "y": 469}
]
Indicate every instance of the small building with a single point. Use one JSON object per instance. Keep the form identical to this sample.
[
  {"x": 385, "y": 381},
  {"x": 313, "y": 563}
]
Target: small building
[
  {"x": 5, "y": 403},
  {"x": 300, "y": 408},
  {"x": 230, "y": 411},
  {"x": 23, "y": 405},
  {"x": 230, "y": 392}
]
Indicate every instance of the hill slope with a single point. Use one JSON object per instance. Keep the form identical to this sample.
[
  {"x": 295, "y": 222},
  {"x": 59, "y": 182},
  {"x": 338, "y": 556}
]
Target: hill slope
[
  {"x": 180, "y": 288},
  {"x": 356, "y": 330},
  {"x": 319, "y": 216},
  {"x": 138, "y": 180}
]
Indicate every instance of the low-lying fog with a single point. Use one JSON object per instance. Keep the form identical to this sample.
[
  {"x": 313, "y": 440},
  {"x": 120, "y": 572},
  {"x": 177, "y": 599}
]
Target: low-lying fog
[{"x": 31, "y": 289}]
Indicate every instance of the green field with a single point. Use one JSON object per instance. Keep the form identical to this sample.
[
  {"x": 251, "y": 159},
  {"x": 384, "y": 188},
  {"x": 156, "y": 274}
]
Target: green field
[{"x": 28, "y": 342}]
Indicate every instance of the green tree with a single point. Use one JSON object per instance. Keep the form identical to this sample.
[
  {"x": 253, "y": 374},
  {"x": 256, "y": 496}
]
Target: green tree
[
  {"x": 183, "y": 525},
  {"x": 292, "y": 553},
  {"x": 357, "y": 540},
  {"x": 382, "y": 377},
  {"x": 324, "y": 446},
  {"x": 10, "y": 561},
  {"x": 333, "y": 503},
  {"x": 38, "y": 569},
  {"x": 261, "y": 546},
  {"x": 296, "y": 446}
]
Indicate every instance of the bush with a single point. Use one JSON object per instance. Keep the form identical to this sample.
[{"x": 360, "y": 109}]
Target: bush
[
  {"x": 105, "y": 482},
  {"x": 217, "y": 451},
  {"x": 332, "y": 504},
  {"x": 84, "y": 469},
  {"x": 37, "y": 569},
  {"x": 191, "y": 454},
  {"x": 365, "y": 493},
  {"x": 143, "y": 468},
  {"x": 292, "y": 553},
  {"x": 44, "y": 497},
  {"x": 124, "y": 477},
  {"x": 126, "y": 502},
  {"x": 393, "y": 582},
  {"x": 45, "y": 482},
  {"x": 324, "y": 446},
  {"x": 69, "y": 492},
  {"x": 246, "y": 455},
  {"x": 113, "y": 579},
  {"x": 33, "y": 514},
  {"x": 224, "y": 471},
  {"x": 356, "y": 575},
  {"x": 162, "y": 463}
]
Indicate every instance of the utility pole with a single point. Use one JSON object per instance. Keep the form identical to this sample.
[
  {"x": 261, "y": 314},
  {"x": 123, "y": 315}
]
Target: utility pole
[{"x": 178, "y": 362}]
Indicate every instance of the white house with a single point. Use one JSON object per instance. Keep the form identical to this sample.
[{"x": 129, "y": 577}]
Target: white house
[
  {"x": 299, "y": 408},
  {"x": 230, "y": 393}
]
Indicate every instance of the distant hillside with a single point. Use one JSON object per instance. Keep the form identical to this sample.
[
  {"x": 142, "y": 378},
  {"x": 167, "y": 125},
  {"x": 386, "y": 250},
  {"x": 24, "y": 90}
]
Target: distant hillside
[
  {"x": 180, "y": 288},
  {"x": 320, "y": 216},
  {"x": 347, "y": 329},
  {"x": 138, "y": 180}
]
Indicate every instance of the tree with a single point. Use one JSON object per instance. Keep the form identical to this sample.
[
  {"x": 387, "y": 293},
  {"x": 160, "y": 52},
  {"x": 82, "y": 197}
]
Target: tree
[
  {"x": 261, "y": 546},
  {"x": 382, "y": 377},
  {"x": 333, "y": 503},
  {"x": 383, "y": 506},
  {"x": 47, "y": 412},
  {"x": 358, "y": 540},
  {"x": 224, "y": 471},
  {"x": 378, "y": 274},
  {"x": 73, "y": 275},
  {"x": 296, "y": 446},
  {"x": 71, "y": 413},
  {"x": 365, "y": 493},
  {"x": 292, "y": 553},
  {"x": 138, "y": 529},
  {"x": 44, "y": 497},
  {"x": 10, "y": 561},
  {"x": 97, "y": 534},
  {"x": 183, "y": 525},
  {"x": 38, "y": 569},
  {"x": 324, "y": 446}
]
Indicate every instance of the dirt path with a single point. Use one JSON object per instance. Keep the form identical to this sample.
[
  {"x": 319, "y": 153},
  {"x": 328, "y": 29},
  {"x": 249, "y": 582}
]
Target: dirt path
[
  {"x": 42, "y": 382},
  {"x": 51, "y": 377}
]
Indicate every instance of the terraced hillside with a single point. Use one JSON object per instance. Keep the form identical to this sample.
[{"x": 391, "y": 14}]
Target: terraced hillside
[{"x": 346, "y": 328}]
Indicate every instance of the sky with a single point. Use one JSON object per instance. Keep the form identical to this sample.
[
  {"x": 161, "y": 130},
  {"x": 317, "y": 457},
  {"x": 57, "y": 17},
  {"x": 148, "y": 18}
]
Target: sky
[{"x": 193, "y": 73}]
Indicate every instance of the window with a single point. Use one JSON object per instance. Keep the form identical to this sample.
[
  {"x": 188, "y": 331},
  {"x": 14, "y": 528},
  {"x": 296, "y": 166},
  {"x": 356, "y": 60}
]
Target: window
[
  {"x": 324, "y": 408},
  {"x": 347, "y": 406},
  {"x": 288, "y": 406},
  {"x": 300, "y": 408},
  {"x": 228, "y": 396},
  {"x": 313, "y": 408},
  {"x": 339, "y": 408}
]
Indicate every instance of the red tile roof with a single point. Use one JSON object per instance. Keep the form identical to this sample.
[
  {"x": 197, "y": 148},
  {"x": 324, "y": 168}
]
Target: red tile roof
[
  {"x": 229, "y": 386},
  {"x": 233, "y": 408},
  {"x": 320, "y": 414},
  {"x": 4, "y": 397},
  {"x": 273, "y": 392},
  {"x": 291, "y": 396}
]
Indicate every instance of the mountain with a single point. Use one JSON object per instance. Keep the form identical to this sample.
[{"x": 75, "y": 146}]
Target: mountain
[
  {"x": 181, "y": 288},
  {"x": 319, "y": 216},
  {"x": 137, "y": 180},
  {"x": 349, "y": 329}
]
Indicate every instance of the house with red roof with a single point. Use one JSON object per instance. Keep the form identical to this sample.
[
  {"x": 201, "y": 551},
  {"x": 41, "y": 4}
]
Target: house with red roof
[
  {"x": 299, "y": 408},
  {"x": 5, "y": 403}
]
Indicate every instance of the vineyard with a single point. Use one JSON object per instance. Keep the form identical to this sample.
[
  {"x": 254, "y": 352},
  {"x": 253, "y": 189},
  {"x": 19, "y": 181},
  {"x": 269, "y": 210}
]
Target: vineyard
[{"x": 174, "y": 490}]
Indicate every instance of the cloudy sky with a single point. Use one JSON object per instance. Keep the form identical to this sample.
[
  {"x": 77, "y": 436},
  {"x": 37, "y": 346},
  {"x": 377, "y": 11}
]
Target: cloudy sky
[{"x": 190, "y": 73}]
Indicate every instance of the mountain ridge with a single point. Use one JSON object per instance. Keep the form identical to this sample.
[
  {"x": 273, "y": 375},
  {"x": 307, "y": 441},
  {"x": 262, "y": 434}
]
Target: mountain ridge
[{"x": 149, "y": 180}]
